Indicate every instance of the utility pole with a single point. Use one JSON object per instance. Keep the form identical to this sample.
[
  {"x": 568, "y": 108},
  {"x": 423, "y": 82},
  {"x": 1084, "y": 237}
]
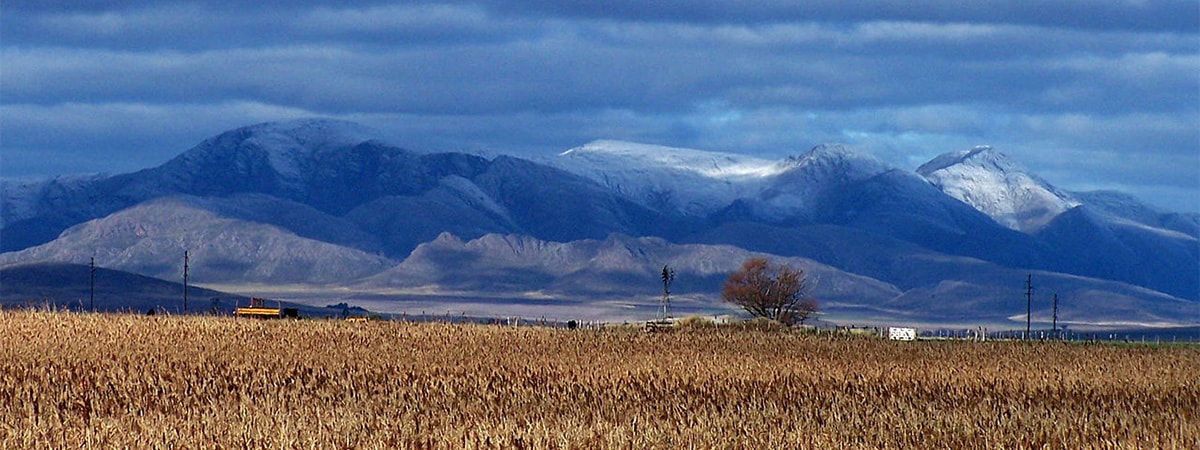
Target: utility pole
[
  {"x": 668, "y": 275},
  {"x": 92, "y": 285},
  {"x": 1028, "y": 304},
  {"x": 185, "y": 280}
]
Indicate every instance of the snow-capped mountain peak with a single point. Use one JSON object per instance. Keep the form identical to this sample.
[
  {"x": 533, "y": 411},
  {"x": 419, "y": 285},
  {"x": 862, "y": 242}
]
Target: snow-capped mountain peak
[
  {"x": 717, "y": 165},
  {"x": 836, "y": 160},
  {"x": 980, "y": 154},
  {"x": 288, "y": 144},
  {"x": 808, "y": 178},
  {"x": 692, "y": 182},
  {"x": 287, "y": 159},
  {"x": 993, "y": 183},
  {"x": 326, "y": 203},
  {"x": 700, "y": 183},
  {"x": 315, "y": 134}
]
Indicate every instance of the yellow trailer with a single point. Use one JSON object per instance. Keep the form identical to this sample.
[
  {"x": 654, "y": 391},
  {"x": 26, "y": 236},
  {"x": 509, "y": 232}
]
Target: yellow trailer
[{"x": 258, "y": 309}]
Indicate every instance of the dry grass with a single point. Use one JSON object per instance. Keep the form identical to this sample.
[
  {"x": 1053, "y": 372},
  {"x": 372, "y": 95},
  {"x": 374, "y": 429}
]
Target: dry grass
[{"x": 102, "y": 381}]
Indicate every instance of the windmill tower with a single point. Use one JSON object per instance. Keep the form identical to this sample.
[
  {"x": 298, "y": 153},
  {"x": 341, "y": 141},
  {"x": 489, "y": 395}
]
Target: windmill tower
[{"x": 668, "y": 275}]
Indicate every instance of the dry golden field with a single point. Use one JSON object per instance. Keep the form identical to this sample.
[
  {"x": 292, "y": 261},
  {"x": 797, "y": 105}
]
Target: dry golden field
[{"x": 71, "y": 380}]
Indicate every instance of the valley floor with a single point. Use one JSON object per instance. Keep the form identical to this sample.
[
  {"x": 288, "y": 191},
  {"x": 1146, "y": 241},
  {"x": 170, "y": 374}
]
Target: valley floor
[{"x": 111, "y": 381}]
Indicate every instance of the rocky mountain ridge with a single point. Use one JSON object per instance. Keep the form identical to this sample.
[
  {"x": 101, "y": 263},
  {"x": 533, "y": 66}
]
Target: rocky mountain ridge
[{"x": 322, "y": 203}]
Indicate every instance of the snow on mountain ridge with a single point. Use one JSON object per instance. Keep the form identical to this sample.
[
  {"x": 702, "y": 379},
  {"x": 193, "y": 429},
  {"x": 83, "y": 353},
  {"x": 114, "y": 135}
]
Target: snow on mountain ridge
[
  {"x": 20, "y": 198},
  {"x": 287, "y": 147},
  {"x": 827, "y": 160},
  {"x": 718, "y": 165},
  {"x": 991, "y": 182},
  {"x": 693, "y": 182},
  {"x": 288, "y": 144},
  {"x": 699, "y": 183},
  {"x": 951, "y": 158},
  {"x": 810, "y": 177},
  {"x": 365, "y": 197},
  {"x": 314, "y": 134}
]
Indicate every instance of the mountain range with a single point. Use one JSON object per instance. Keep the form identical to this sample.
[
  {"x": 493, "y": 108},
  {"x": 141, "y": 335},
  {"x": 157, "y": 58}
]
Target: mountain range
[{"x": 326, "y": 212}]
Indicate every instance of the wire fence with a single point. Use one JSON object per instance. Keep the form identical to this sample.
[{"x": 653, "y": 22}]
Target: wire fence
[
  {"x": 1161, "y": 335},
  {"x": 1129, "y": 335}
]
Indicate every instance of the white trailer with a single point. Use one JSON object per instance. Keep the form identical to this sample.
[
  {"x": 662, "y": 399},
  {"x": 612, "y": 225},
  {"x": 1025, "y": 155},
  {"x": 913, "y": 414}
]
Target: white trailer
[{"x": 902, "y": 334}]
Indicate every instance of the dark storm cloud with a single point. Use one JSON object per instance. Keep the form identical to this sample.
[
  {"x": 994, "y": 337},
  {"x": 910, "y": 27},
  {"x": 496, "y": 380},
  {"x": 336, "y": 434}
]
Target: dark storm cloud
[
  {"x": 196, "y": 27},
  {"x": 630, "y": 66},
  {"x": 1046, "y": 82}
]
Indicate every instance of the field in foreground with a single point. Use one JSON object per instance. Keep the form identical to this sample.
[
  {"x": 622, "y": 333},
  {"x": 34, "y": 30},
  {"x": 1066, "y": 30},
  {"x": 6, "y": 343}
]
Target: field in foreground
[{"x": 93, "y": 380}]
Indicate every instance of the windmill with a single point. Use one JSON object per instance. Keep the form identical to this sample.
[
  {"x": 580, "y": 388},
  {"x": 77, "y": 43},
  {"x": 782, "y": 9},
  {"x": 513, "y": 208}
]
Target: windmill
[{"x": 668, "y": 275}]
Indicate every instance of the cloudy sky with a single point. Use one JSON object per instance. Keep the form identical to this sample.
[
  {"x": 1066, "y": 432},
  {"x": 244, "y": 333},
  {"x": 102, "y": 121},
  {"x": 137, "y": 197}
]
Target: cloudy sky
[{"x": 1089, "y": 94}]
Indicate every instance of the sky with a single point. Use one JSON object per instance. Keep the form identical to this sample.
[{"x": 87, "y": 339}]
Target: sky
[{"x": 1087, "y": 94}]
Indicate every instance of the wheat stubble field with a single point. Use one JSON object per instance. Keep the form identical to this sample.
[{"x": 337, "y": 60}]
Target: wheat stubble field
[{"x": 70, "y": 380}]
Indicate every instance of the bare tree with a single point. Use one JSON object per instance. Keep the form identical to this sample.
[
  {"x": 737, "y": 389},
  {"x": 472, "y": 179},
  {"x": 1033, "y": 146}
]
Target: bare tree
[{"x": 774, "y": 292}]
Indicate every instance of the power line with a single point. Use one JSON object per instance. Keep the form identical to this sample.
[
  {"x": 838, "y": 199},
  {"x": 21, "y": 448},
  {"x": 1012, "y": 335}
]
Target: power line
[
  {"x": 1028, "y": 304},
  {"x": 1055, "y": 317},
  {"x": 92, "y": 284},
  {"x": 185, "y": 280}
]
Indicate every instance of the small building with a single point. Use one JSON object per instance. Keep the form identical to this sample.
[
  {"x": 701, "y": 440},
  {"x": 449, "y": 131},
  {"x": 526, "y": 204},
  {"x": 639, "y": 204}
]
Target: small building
[{"x": 902, "y": 334}]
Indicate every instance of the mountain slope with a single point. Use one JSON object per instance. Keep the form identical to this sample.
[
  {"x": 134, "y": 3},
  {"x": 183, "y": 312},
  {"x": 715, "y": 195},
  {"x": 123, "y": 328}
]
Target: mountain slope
[
  {"x": 689, "y": 182},
  {"x": 551, "y": 204},
  {"x": 940, "y": 289},
  {"x": 320, "y": 203},
  {"x": 68, "y": 286},
  {"x": 326, "y": 164},
  {"x": 900, "y": 205},
  {"x": 456, "y": 205},
  {"x": 1117, "y": 249},
  {"x": 329, "y": 168},
  {"x": 35, "y": 212},
  {"x": 303, "y": 220},
  {"x": 1099, "y": 234},
  {"x": 1124, "y": 206},
  {"x": 616, "y": 267},
  {"x": 997, "y": 186},
  {"x": 151, "y": 238},
  {"x": 829, "y": 184},
  {"x": 266, "y": 158},
  {"x": 800, "y": 193}
]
